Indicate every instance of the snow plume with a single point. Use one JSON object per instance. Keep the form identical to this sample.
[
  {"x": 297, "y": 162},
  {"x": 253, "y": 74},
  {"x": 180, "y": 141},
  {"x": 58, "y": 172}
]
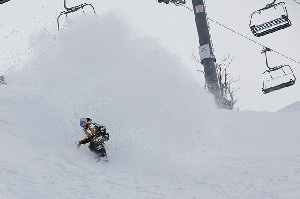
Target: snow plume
[{"x": 104, "y": 70}]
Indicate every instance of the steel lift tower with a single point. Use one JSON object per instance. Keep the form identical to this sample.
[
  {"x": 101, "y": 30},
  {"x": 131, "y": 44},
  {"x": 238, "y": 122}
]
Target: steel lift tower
[{"x": 207, "y": 57}]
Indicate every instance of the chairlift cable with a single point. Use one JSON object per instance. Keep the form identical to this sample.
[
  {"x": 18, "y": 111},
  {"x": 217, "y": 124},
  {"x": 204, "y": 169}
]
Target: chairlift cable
[
  {"x": 186, "y": 7},
  {"x": 252, "y": 40},
  {"x": 180, "y": 4},
  {"x": 297, "y": 2}
]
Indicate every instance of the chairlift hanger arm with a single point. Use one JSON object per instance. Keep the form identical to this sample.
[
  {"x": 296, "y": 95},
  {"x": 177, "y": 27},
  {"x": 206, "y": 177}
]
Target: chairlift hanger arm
[
  {"x": 73, "y": 9},
  {"x": 65, "y": 5},
  {"x": 265, "y": 50}
]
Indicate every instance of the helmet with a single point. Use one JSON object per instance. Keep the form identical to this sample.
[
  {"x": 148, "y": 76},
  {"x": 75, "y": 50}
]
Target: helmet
[{"x": 83, "y": 122}]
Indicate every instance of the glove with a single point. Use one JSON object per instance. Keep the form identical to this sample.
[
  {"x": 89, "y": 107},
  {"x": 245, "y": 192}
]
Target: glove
[{"x": 78, "y": 145}]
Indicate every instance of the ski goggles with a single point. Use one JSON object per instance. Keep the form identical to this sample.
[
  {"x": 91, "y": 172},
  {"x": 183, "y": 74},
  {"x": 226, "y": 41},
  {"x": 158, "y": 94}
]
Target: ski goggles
[{"x": 83, "y": 124}]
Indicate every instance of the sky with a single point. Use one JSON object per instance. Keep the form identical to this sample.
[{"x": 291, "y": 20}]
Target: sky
[{"x": 174, "y": 28}]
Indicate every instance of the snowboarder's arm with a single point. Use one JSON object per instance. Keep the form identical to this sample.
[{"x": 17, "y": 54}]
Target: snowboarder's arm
[
  {"x": 105, "y": 137},
  {"x": 85, "y": 140}
]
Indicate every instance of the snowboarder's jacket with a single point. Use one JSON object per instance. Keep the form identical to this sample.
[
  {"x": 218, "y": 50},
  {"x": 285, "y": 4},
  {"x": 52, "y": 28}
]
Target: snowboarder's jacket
[{"x": 96, "y": 131}]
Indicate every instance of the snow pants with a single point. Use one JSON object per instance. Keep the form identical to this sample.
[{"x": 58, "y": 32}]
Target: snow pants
[{"x": 97, "y": 146}]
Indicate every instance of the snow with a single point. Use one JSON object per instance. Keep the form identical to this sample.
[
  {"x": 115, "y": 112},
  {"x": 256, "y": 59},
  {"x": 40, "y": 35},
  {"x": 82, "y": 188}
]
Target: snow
[
  {"x": 294, "y": 107},
  {"x": 167, "y": 138}
]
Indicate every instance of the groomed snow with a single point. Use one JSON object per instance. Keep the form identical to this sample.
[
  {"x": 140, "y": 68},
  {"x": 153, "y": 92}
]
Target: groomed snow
[{"x": 167, "y": 139}]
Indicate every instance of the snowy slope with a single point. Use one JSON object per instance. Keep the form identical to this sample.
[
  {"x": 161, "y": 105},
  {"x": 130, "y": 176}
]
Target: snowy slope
[
  {"x": 295, "y": 107},
  {"x": 167, "y": 138}
]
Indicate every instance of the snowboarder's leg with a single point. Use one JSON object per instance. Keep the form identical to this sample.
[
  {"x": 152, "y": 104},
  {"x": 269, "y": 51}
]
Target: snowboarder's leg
[
  {"x": 101, "y": 150},
  {"x": 98, "y": 148}
]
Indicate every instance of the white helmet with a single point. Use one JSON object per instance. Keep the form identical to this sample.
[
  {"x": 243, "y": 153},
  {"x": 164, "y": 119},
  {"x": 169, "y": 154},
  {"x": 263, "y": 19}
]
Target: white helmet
[{"x": 84, "y": 121}]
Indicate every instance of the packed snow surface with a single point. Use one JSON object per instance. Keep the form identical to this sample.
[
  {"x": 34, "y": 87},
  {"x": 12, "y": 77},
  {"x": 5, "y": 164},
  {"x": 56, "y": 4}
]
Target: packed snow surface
[{"x": 167, "y": 139}]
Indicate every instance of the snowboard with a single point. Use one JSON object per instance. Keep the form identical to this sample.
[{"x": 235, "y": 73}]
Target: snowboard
[{"x": 102, "y": 159}]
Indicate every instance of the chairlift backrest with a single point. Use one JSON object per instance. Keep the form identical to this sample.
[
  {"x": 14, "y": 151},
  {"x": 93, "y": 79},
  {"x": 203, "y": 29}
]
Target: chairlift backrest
[{"x": 276, "y": 18}]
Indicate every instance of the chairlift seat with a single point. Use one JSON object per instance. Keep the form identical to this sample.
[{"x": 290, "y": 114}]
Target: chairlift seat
[
  {"x": 277, "y": 87},
  {"x": 284, "y": 72},
  {"x": 270, "y": 26},
  {"x": 3, "y": 1}
]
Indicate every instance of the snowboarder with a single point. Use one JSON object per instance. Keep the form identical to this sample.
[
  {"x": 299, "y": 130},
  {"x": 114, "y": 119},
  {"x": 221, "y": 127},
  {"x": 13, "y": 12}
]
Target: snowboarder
[{"x": 96, "y": 137}]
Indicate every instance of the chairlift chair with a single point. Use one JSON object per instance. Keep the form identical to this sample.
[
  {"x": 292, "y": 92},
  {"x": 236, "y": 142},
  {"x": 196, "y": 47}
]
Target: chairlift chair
[
  {"x": 272, "y": 25},
  {"x": 3, "y": 1},
  {"x": 176, "y": 2},
  {"x": 73, "y": 9},
  {"x": 277, "y": 77},
  {"x": 164, "y": 1}
]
